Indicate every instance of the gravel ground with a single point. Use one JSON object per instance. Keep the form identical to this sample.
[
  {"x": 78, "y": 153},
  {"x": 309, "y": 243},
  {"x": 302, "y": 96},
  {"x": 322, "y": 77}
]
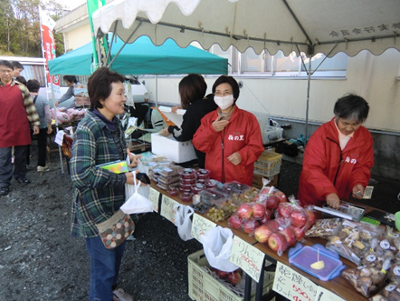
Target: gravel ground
[{"x": 40, "y": 261}]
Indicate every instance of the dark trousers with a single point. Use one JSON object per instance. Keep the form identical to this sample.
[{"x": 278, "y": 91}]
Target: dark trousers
[
  {"x": 6, "y": 168},
  {"x": 42, "y": 143}
]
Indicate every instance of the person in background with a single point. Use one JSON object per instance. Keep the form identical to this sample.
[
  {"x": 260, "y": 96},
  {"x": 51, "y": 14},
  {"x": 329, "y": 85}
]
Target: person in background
[
  {"x": 71, "y": 82},
  {"x": 17, "y": 111},
  {"x": 230, "y": 137},
  {"x": 45, "y": 128},
  {"x": 21, "y": 79},
  {"x": 97, "y": 190},
  {"x": 192, "y": 90},
  {"x": 338, "y": 157},
  {"x": 17, "y": 67}
]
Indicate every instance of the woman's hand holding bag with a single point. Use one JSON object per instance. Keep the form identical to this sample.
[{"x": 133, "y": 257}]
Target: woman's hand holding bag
[{"x": 136, "y": 203}]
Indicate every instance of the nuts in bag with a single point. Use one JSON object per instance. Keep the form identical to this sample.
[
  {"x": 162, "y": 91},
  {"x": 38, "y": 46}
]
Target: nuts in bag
[
  {"x": 390, "y": 292},
  {"x": 324, "y": 228}
]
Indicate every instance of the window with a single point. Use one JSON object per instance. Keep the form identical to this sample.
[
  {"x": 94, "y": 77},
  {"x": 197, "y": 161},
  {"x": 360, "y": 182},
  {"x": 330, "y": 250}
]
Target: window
[
  {"x": 279, "y": 65},
  {"x": 34, "y": 72}
]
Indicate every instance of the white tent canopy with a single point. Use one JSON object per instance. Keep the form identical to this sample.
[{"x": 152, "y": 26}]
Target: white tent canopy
[{"x": 312, "y": 26}]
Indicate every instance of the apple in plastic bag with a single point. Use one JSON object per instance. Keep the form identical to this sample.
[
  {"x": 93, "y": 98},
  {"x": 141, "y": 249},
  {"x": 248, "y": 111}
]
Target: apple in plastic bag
[
  {"x": 272, "y": 202},
  {"x": 258, "y": 210},
  {"x": 290, "y": 235},
  {"x": 245, "y": 211},
  {"x": 300, "y": 232},
  {"x": 235, "y": 221},
  {"x": 299, "y": 218},
  {"x": 222, "y": 274},
  {"x": 262, "y": 233},
  {"x": 234, "y": 277},
  {"x": 277, "y": 242},
  {"x": 249, "y": 225},
  {"x": 285, "y": 209},
  {"x": 273, "y": 225}
]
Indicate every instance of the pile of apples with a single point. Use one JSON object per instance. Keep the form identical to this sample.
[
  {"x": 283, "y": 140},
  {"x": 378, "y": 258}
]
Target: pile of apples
[
  {"x": 289, "y": 226},
  {"x": 232, "y": 277},
  {"x": 249, "y": 216},
  {"x": 273, "y": 220}
]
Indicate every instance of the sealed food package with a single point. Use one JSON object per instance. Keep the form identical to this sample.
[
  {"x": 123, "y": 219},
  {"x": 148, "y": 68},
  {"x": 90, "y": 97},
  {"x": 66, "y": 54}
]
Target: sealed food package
[
  {"x": 394, "y": 273},
  {"x": 367, "y": 280},
  {"x": 388, "y": 241},
  {"x": 170, "y": 171},
  {"x": 390, "y": 292},
  {"x": 324, "y": 228},
  {"x": 246, "y": 196},
  {"x": 352, "y": 240},
  {"x": 168, "y": 180},
  {"x": 210, "y": 197},
  {"x": 236, "y": 187}
]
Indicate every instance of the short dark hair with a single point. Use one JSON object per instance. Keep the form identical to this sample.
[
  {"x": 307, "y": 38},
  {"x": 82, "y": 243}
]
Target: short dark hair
[
  {"x": 351, "y": 106},
  {"x": 229, "y": 80},
  {"x": 99, "y": 85},
  {"x": 70, "y": 78},
  {"x": 33, "y": 85},
  {"x": 17, "y": 65},
  {"x": 7, "y": 64},
  {"x": 192, "y": 87},
  {"x": 21, "y": 79}
]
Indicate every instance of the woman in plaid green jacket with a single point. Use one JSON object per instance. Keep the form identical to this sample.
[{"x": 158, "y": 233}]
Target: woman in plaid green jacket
[{"x": 99, "y": 193}]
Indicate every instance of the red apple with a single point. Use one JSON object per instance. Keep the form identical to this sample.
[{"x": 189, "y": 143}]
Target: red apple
[
  {"x": 311, "y": 216},
  {"x": 285, "y": 209},
  {"x": 264, "y": 220},
  {"x": 235, "y": 221},
  {"x": 281, "y": 196},
  {"x": 299, "y": 217},
  {"x": 245, "y": 211},
  {"x": 268, "y": 213},
  {"x": 222, "y": 274},
  {"x": 272, "y": 202},
  {"x": 262, "y": 233},
  {"x": 277, "y": 242},
  {"x": 273, "y": 225},
  {"x": 300, "y": 232},
  {"x": 258, "y": 210},
  {"x": 249, "y": 225},
  {"x": 290, "y": 235},
  {"x": 234, "y": 277}
]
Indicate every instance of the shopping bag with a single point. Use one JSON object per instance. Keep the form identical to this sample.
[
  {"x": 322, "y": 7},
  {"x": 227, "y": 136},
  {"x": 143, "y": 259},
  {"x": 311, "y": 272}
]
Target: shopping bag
[
  {"x": 137, "y": 203},
  {"x": 217, "y": 244},
  {"x": 183, "y": 221}
]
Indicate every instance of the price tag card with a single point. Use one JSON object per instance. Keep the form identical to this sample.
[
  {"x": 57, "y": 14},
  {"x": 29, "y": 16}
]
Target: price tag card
[
  {"x": 153, "y": 197},
  {"x": 293, "y": 285},
  {"x": 167, "y": 208},
  {"x": 249, "y": 258},
  {"x": 59, "y": 137},
  {"x": 200, "y": 226},
  {"x": 326, "y": 295}
]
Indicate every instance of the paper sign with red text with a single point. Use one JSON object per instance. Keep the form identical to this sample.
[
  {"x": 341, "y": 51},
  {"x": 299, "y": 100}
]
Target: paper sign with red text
[
  {"x": 167, "y": 208},
  {"x": 249, "y": 258},
  {"x": 153, "y": 197},
  {"x": 200, "y": 225},
  {"x": 293, "y": 285}
]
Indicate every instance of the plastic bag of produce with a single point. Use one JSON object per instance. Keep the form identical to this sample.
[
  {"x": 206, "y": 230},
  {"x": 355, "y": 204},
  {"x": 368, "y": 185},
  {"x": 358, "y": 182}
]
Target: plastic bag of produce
[
  {"x": 137, "y": 203},
  {"x": 217, "y": 244},
  {"x": 183, "y": 221}
]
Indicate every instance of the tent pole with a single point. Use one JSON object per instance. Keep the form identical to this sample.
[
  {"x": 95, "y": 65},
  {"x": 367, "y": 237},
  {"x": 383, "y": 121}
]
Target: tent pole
[{"x": 308, "y": 99}]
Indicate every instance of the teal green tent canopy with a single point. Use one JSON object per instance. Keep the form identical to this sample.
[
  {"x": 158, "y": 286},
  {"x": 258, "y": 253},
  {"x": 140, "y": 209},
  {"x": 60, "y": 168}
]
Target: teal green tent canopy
[{"x": 143, "y": 57}]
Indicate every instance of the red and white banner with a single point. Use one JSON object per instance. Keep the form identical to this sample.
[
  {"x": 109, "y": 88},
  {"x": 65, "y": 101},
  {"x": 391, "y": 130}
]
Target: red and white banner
[{"x": 49, "y": 49}]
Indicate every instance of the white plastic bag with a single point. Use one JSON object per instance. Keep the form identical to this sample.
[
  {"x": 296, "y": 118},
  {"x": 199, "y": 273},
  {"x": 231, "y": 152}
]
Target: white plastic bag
[
  {"x": 217, "y": 244},
  {"x": 183, "y": 221},
  {"x": 136, "y": 203}
]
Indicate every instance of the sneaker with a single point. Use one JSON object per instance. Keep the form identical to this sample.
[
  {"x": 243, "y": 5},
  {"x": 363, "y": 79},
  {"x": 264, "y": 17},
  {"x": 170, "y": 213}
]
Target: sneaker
[
  {"x": 43, "y": 168},
  {"x": 4, "y": 190},
  {"x": 23, "y": 180},
  {"x": 122, "y": 295}
]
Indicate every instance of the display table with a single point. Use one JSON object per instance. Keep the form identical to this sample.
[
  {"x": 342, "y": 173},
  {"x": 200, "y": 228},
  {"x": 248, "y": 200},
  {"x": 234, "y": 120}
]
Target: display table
[{"x": 338, "y": 286}]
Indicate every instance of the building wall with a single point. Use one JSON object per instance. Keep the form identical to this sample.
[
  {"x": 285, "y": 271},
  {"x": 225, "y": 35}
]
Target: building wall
[{"x": 77, "y": 37}]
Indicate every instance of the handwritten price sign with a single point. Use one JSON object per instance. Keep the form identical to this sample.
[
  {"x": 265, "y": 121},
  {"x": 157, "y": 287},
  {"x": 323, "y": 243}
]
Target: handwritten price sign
[
  {"x": 293, "y": 285},
  {"x": 167, "y": 208},
  {"x": 200, "y": 226},
  {"x": 153, "y": 197},
  {"x": 247, "y": 257}
]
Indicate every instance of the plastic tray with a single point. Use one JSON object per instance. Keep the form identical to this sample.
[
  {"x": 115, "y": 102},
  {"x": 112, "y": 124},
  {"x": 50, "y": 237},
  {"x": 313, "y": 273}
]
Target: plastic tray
[{"x": 303, "y": 257}]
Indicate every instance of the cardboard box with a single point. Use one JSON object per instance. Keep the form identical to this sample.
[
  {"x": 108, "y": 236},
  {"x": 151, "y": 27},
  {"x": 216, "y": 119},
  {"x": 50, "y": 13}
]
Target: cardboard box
[
  {"x": 257, "y": 180},
  {"x": 176, "y": 151},
  {"x": 268, "y": 164}
]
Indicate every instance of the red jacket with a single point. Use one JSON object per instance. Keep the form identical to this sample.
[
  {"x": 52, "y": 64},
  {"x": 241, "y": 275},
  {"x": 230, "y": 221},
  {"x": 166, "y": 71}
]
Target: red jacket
[
  {"x": 327, "y": 169},
  {"x": 242, "y": 135}
]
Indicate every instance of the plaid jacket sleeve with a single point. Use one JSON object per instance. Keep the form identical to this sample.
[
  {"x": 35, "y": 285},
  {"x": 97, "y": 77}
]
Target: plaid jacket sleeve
[{"x": 31, "y": 113}]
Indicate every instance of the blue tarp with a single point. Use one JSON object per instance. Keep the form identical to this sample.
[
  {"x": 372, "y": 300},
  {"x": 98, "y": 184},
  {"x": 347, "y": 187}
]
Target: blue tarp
[{"x": 143, "y": 57}]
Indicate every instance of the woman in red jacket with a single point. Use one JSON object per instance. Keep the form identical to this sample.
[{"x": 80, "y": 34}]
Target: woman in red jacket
[
  {"x": 230, "y": 137},
  {"x": 338, "y": 156}
]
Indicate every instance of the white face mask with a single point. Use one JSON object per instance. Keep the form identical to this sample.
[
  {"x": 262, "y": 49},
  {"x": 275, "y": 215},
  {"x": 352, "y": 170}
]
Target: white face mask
[{"x": 224, "y": 102}]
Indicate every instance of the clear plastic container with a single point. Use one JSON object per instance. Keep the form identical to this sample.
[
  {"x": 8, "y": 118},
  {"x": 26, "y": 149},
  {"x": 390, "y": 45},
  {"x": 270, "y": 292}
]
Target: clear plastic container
[
  {"x": 188, "y": 173},
  {"x": 173, "y": 191},
  {"x": 186, "y": 198},
  {"x": 187, "y": 181},
  {"x": 197, "y": 188},
  {"x": 211, "y": 183},
  {"x": 202, "y": 174}
]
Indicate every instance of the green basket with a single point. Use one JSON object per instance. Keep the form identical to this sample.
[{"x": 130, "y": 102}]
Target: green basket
[{"x": 203, "y": 287}]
